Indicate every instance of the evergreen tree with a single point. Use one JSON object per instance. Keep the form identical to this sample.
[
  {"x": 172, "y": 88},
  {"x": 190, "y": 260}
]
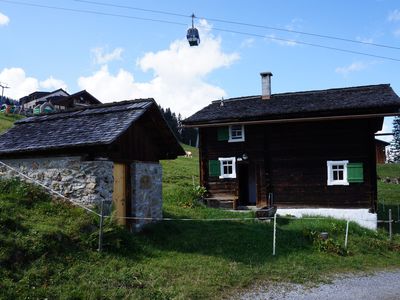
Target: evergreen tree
[
  {"x": 394, "y": 155},
  {"x": 183, "y": 134}
]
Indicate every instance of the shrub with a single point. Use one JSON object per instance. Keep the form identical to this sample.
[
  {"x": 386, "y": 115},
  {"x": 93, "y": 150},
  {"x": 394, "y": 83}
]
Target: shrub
[{"x": 325, "y": 245}]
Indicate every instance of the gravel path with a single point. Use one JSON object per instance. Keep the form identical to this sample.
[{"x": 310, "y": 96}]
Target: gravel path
[{"x": 381, "y": 285}]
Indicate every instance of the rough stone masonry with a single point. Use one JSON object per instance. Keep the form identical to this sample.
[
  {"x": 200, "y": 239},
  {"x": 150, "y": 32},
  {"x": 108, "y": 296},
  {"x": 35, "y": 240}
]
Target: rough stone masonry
[{"x": 90, "y": 182}]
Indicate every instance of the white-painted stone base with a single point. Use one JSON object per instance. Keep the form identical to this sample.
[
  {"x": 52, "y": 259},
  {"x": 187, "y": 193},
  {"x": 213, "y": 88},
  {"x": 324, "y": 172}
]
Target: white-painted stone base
[{"x": 361, "y": 216}]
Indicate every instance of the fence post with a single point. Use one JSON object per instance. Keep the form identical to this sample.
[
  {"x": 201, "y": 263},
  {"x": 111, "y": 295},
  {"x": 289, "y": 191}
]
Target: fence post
[
  {"x": 274, "y": 237},
  {"x": 390, "y": 224},
  {"x": 101, "y": 226},
  {"x": 347, "y": 234}
]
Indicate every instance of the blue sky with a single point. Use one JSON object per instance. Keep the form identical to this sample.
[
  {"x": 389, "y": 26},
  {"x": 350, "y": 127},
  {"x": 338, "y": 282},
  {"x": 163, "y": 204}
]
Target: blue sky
[{"x": 117, "y": 58}]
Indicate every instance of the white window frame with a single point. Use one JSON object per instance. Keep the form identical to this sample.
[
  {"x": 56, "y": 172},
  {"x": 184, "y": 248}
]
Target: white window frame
[
  {"x": 236, "y": 139},
  {"x": 233, "y": 162},
  {"x": 330, "y": 164}
]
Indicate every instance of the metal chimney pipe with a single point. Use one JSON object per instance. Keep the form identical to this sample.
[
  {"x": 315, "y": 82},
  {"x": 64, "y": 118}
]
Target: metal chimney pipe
[{"x": 266, "y": 85}]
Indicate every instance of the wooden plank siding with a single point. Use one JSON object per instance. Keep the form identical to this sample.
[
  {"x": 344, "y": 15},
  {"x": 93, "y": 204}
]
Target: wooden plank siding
[{"x": 290, "y": 161}]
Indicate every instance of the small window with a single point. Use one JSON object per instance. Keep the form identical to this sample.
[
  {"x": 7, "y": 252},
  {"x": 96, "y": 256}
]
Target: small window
[
  {"x": 227, "y": 167},
  {"x": 337, "y": 172},
  {"x": 236, "y": 133}
]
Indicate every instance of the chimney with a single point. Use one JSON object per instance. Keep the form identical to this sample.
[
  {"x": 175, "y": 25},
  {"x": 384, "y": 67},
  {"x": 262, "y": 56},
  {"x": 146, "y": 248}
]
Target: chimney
[{"x": 266, "y": 85}]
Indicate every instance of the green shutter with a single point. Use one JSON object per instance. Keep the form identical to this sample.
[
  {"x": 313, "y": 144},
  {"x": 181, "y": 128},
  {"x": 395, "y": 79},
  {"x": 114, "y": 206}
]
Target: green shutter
[
  {"x": 223, "y": 133},
  {"x": 355, "y": 172},
  {"x": 214, "y": 168}
]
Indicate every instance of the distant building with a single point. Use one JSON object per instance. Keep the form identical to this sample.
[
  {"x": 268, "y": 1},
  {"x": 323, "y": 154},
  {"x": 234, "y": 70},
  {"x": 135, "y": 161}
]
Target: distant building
[
  {"x": 59, "y": 99},
  {"x": 380, "y": 150}
]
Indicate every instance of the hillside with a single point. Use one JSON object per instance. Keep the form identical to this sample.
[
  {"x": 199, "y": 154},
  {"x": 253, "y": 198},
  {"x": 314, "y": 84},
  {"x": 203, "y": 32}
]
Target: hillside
[
  {"x": 7, "y": 121},
  {"x": 48, "y": 249}
]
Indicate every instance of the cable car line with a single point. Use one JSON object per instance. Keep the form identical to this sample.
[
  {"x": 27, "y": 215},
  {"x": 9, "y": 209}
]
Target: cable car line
[
  {"x": 92, "y": 12},
  {"x": 325, "y": 36},
  {"x": 308, "y": 44},
  {"x": 184, "y": 24}
]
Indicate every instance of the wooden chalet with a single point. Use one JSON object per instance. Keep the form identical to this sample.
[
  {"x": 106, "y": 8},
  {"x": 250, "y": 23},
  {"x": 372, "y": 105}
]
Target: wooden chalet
[{"x": 312, "y": 149}]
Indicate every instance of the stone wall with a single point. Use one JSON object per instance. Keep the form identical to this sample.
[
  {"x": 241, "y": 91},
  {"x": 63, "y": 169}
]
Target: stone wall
[
  {"x": 90, "y": 182},
  {"x": 87, "y": 182},
  {"x": 146, "y": 192}
]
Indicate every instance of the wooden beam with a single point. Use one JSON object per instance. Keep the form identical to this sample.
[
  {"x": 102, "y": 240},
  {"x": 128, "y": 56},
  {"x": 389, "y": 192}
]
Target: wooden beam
[{"x": 120, "y": 192}]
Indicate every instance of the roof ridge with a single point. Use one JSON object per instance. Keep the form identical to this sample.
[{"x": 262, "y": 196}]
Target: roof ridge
[{"x": 305, "y": 92}]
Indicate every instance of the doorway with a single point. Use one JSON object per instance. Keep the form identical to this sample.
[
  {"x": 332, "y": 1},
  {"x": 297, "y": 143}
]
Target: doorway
[{"x": 243, "y": 184}]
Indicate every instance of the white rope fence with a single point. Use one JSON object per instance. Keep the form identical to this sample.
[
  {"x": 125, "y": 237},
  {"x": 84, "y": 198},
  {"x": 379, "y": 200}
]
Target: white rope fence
[{"x": 390, "y": 221}]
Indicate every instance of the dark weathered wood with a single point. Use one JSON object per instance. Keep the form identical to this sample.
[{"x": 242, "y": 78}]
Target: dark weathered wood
[{"x": 290, "y": 161}]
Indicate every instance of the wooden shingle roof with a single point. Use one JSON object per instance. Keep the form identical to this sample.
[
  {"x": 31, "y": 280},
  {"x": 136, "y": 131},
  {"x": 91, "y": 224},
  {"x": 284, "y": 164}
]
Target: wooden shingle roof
[
  {"x": 321, "y": 103},
  {"x": 90, "y": 126}
]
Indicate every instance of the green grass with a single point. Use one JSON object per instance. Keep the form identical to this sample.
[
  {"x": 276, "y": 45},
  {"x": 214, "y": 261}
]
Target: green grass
[
  {"x": 388, "y": 170},
  {"x": 48, "y": 249},
  {"x": 389, "y": 194},
  {"x": 7, "y": 121}
]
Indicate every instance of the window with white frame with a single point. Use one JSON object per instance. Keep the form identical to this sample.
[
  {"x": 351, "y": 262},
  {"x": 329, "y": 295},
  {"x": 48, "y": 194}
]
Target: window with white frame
[
  {"x": 236, "y": 133},
  {"x": 337, "y": 172},
  {"x": 228, "y": 167}
]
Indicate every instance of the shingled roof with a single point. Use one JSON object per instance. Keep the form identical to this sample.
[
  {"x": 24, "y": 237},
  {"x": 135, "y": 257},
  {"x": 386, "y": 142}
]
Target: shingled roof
[
  {"x": 89, "y": 126},
  {"x": 372, "y": 99}
]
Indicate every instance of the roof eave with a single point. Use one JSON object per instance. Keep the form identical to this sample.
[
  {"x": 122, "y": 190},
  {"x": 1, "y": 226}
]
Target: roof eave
[{"x": 215, "y": 123}]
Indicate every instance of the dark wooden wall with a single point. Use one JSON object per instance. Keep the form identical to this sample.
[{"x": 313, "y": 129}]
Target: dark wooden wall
[{"x": 290, "y": 161}]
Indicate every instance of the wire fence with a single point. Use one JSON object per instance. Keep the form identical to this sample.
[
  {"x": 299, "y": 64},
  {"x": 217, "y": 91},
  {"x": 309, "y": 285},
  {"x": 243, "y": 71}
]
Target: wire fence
[{"x": 389, "y": 221}]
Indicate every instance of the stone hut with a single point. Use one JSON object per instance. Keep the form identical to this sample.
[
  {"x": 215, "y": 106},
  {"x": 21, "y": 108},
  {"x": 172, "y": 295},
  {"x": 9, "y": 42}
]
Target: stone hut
[{"x": 102, "y": 152}]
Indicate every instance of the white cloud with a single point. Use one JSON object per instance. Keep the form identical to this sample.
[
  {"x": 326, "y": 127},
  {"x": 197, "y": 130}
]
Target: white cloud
[
  {"x": 281, "y": 41},
  {"x": 100, "y": 57},
  {"x": 354, "y": 67},
  {"x": 4, "y": 20},
  {"x": 179, "y": 75},
  {"x": 294, "y": 25},
  {"x": 22, "y": 85},
  {"x": 394, "y": 16},
  {"x": 365, "y": 40},
  {"x": 53, "y": 84},
  {"x": 247, "y": 43}
]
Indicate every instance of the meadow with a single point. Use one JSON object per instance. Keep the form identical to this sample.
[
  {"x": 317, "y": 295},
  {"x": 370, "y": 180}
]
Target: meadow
[{"x": 48, "y": 248}]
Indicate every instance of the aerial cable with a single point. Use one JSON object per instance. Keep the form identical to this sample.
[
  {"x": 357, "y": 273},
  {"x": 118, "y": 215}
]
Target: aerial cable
[
  {"x": 325, "y": 36},
  {"x": 92, "y": 12},
  {"x": 184, "y": 24}
]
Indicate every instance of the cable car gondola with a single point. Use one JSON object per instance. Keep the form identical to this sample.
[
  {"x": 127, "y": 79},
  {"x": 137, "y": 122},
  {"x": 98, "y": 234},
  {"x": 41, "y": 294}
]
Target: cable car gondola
[{"x": 192, "y": 34}]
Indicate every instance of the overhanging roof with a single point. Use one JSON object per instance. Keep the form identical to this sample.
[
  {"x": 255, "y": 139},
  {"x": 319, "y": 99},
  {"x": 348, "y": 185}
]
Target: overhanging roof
[
  {"x": 90, "y": 126},
  {"x": 354, "y": 102}
]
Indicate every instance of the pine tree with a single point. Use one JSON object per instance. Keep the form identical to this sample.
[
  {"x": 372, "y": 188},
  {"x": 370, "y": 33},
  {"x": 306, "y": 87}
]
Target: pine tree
[{"x": 394, "y": 155}]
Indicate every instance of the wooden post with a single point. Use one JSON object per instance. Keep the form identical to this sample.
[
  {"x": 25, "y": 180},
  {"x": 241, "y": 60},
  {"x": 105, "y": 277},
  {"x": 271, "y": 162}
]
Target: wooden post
[
  {"x": 120, "y": 192},
  {"x": 274, "y": 237},
  {"x": 347, "y": 234},
  {"x": 101, "y": 227}
]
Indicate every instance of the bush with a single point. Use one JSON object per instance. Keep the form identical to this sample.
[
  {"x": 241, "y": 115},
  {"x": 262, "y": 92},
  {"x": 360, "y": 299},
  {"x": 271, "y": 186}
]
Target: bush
[
  {"x": 188, "y": 197},
  {"x": 325, "y": 245}
]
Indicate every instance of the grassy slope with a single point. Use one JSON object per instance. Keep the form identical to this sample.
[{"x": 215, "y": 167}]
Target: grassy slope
[
  {"x": 6, "y": 121},
  {"x": 48, "y": 249},
  {"x": 389, "y": 194}
]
